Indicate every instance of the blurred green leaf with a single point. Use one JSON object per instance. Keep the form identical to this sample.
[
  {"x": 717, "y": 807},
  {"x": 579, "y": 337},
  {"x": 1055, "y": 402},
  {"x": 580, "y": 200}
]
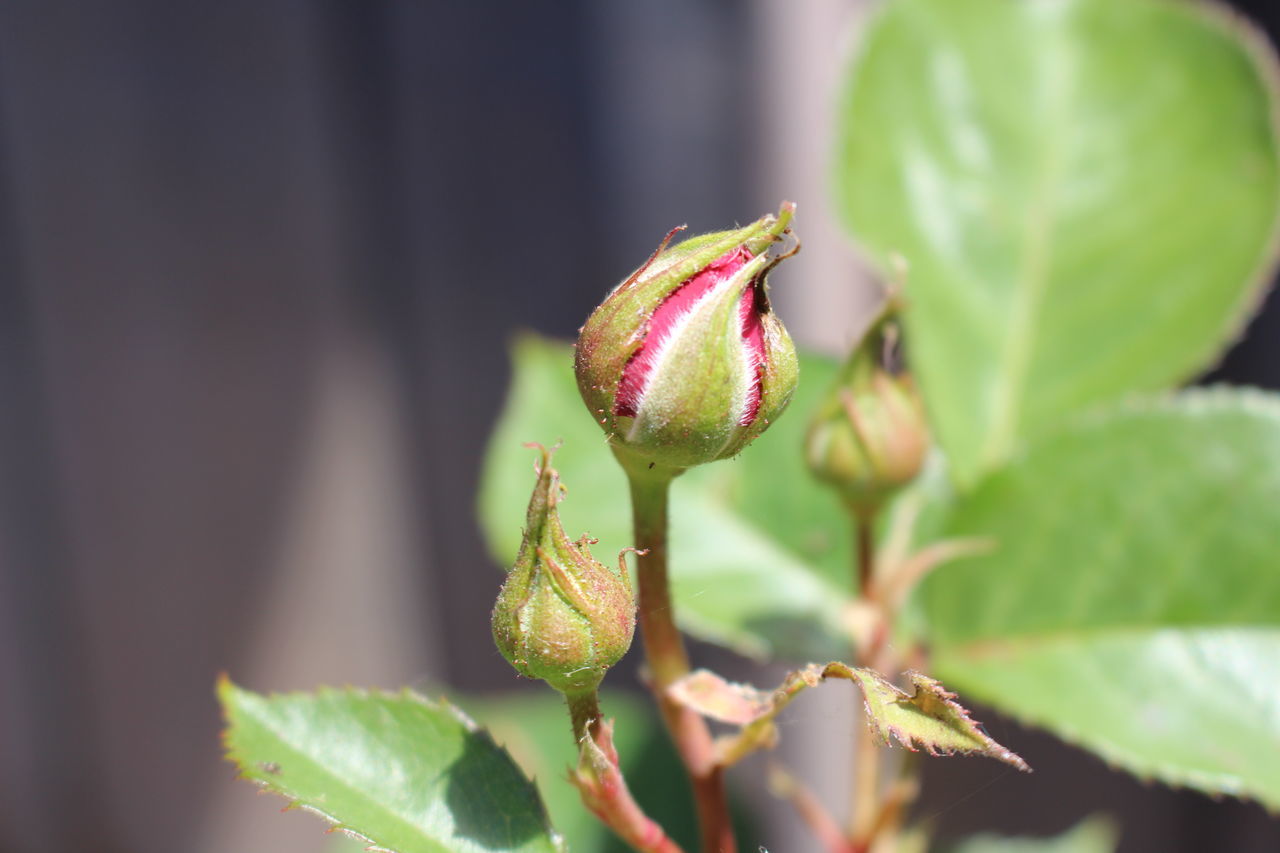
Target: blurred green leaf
[
  {"x": 534, "y": 728},
  {"x": 759, "y": 553},
  {"x": 1132, "y": 604},
  {"x": 1085, "y": 191},
  {"x": 411, "y": 776},
  {"x": 1094, "y": 835}
]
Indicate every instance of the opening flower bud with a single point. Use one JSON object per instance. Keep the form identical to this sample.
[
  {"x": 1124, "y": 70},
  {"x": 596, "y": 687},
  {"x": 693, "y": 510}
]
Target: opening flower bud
[
  {"x": 869, "y": 437},
  {"x": 561, "y": 616},
  {"x": 685, "y": 362}
]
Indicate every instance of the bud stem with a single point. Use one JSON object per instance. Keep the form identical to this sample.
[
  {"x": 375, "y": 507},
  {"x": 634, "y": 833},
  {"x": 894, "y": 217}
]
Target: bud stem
[
  {"x": 879, "y": 799},
  {"x": 865, "y": 544},
  {"x": 584, "y": 713},
  {"x": 664, "y": 647},
  {"x": 599, "y": 779},
  {"x": 665, "y": 652},
  {"x": 866, "y": 752}
]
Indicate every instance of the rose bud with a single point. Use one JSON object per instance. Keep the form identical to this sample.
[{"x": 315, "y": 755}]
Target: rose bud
[
  {"x": 870, "y": 437},
  {"x": 685, "y": 362},
  {"x": 561, "y": 616}
]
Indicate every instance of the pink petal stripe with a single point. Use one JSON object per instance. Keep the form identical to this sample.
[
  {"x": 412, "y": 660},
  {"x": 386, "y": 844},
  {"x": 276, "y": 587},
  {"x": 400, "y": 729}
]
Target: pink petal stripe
[
  {"x": 750, "y": 309},
  {"x": 636, "y": 375}
]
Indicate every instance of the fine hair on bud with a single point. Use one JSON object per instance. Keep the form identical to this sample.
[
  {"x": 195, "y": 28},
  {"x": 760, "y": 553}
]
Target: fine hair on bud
[
  {"x": 561, "y": 616},
  {"x": 869, "y": 436},
  {"x": 685, "y": 361}
]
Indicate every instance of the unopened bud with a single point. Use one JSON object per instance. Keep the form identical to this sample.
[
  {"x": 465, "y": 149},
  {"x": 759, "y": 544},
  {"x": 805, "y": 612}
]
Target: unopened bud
[
  {"x": 869, "y": 437},
  {"x": 685, "y": 361},
  {"x": 561, "y": 616}
]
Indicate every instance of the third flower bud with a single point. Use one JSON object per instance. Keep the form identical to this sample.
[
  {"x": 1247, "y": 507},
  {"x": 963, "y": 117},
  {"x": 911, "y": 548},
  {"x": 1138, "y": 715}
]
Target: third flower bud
[{"x": 870, "y": 436}]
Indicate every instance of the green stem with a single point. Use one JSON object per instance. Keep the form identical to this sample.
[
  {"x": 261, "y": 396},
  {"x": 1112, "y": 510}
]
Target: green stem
[
  {"x": 663, "y": 646},
  {"x": 584, "y": 713},
  {"x": 879, "y": 804},
  {"x": 864, "y": 525},
  {"x": 666, "y": 656},
  {"x": 866, "y": 754}
]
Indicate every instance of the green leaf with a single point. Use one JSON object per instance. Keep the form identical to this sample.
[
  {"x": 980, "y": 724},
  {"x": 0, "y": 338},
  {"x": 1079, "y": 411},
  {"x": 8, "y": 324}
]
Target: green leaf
[
  {"x": 409, "y": 775},
  {"x": 928, "y": 718},
  {"x": 1093, "y": 835},
  {"x": 1132, "y": 604},
  {"x": 1085, "y": 191},
  {"x": 759, "y": 554}
]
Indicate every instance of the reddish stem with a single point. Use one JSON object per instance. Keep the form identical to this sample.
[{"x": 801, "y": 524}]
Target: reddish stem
[
  {"x": 866, "y": 752},
  {"x": 599, "y": 780},
  {"x": 878, "y": 808},
  {"x": 667, "y": 659},
  {"x": 865, "y": 543}
]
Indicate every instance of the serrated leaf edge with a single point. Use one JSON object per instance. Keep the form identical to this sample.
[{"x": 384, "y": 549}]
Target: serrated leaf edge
[
  {"x": 759, "y": 732},
  {"x": 1253, "y": 41},
  {"x": 926, "y": 685},
  {"x": 1117, "y": 758},
  {"x": 1256, "y": 46},
  {"x": 225, "y": 686},
  {"x": 1262, "y": 59}
]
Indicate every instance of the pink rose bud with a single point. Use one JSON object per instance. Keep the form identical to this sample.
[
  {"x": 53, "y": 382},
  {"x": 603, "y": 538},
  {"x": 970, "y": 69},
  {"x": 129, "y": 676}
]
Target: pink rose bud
[
  {"x": 561, "y": 616},
  {"x": 870, "y": 437},
  {"x": 685, "y": 361}
]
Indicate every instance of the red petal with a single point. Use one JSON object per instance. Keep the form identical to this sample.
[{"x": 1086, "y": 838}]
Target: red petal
[
  {"x": 750, "y": 309},
  {"x": 635, "y": 376}
]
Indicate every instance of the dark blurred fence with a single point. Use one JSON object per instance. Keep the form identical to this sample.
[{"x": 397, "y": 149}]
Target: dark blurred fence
[{"x": 202, "y": 206}]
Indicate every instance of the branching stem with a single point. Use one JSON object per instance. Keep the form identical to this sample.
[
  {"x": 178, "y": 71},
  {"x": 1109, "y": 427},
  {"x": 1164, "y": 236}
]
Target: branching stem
[
  {"x": 878, "y": 803},
  {"x": 866, "y": 752},
  {"x": 599, "y": 780}
]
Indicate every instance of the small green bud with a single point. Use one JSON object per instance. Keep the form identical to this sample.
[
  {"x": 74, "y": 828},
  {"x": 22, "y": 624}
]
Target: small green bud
[
  {"x": 561, "y": 616},
  {"x": 685, "y": 361},
  {"x": 870, "y": 437}
]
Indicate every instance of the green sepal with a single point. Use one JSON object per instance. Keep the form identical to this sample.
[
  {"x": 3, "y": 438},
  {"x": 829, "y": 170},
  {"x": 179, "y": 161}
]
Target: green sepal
[{"x": 561, "y": 616}]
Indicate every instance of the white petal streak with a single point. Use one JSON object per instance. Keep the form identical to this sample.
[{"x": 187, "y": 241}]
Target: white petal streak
[{"x": 664, "y": 347}]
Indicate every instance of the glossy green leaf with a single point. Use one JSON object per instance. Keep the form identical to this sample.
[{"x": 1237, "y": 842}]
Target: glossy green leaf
[
  {"x": 409, "y": 775},
  {"x": 1085, "y": 191},
  {"x": 1132, "y": 604},
  {"x": 759, "y": 554},
  {"x": 1094, "y": 835}
]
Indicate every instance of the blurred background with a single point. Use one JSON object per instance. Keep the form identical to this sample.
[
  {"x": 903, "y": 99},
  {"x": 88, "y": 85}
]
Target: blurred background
[{"x": 260, "y": 264}]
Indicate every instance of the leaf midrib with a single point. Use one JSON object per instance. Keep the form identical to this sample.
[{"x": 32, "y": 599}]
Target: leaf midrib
[{"x": 1034, "y": 267}]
